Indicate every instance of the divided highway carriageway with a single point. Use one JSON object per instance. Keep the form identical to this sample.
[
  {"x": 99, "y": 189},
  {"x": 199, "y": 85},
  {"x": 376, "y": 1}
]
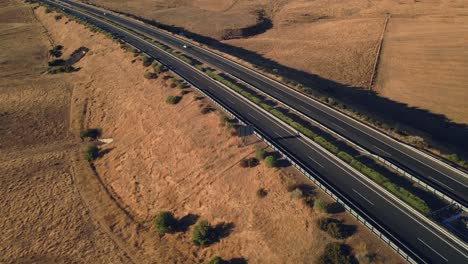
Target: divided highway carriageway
[
  {"x": 410, "y": 231},
  {"x": 441, "y": 176}
]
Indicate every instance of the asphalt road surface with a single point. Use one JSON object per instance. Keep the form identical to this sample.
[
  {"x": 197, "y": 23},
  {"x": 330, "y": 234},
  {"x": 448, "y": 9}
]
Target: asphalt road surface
[
  {"x": 452, "y": 183},
  {"x": 413, "y": 235}
]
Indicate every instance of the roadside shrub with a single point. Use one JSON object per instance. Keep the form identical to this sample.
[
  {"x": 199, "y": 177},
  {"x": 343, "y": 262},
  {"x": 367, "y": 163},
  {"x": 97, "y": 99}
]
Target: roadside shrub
[
  {"x": 320, "y": 205},
  {"x": 201, "y": 234},
  {"x": 165, "y": 222},
  {"x": 150, "y": 75},
  {"x": 173, "y": 85},
  {"x": 336, "y": 253},
  {"x": 248, "y": 162},
  {"x": 173, "y": 99},
  {"x": 345, "y": 156},
  {"x": 205, "y": 110},
  {"x": 47, "y": 10},
  {"x": 57, "y": 17},
  {"x": 261, "y": 193},
  {"x": 271, "y": 162},
  {"x": 216, "y": 260},
  {"x": 91, "y": 152},
  {"x": 260, "y": 153},
  {"x": 223, "y": 119},
  {"x": 91, "y": 133},
  {"x": 146, "y": 60},
  {"x": 156, "y": 67},
  {"x": 333, "y": 227}
]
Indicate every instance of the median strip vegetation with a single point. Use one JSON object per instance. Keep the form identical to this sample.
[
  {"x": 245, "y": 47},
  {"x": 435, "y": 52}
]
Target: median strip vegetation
[
  {"x": 410, "y": 198},
  {"x": 398, "y": 191}
]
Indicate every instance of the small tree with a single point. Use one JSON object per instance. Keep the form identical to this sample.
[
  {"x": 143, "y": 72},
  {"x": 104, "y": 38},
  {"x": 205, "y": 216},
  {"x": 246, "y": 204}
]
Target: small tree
[
  {"x": 201, "y": 234},
  {"x": 172, "y": 99},
  {"x": 57, "y": 17},
  {"x": 165, "y": 222},
  {"x": 335, "y": 253},
  {"x": 150, "y": 75},
  {"x": 270, "y": 161},
  {"x": 91, "y": 152},
  {"x": 260, "y": 153},
  {"x": 156, "y": 67},
  {"x": 261, "y": 193},
  {"x": 320, "y": 205}
]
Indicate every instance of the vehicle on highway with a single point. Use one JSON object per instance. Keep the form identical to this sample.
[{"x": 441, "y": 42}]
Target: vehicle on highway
[{"x": 185, "y": 46}]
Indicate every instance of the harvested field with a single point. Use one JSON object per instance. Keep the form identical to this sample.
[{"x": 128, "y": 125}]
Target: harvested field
[{"x": 424, "y": 64}]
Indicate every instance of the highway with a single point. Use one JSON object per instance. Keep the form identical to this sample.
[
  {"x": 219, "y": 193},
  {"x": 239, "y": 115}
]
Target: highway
[
  {"x": 441, "y": 176},
  {"x": 424, "y": 243}
]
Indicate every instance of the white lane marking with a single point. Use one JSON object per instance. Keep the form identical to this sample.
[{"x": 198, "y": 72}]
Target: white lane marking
[
  {"x": 252, "y": 116},
  {"x": 362, "y": 196},
  {"x": 315, "y": 161},
  {"x": 306, "y": 109},
  {"x": 381, "y": 150},
  {"x": 440, "y": 255},
  {"x": 278, "y": 135},
  {"x": 365, "y": 184},
  {"x": 337, "y": 126},
  {"x": 440, "y": 183},
  {"x": 355, "y": 177},
  {"x": 232, "y": 102}
]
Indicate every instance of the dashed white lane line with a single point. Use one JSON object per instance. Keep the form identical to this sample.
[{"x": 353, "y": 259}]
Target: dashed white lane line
[
  {"x": 381, "y": 150},
  {"x": 337, "y": 126},
  {"x": 440, "y": 255},
  {"x": 363, "y": 197},
  {"x": 252, "y": 116},
  {"x": 315, "y": 161}
]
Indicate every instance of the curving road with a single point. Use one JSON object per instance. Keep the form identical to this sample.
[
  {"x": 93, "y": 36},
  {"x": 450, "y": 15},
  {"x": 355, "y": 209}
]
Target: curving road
[
  {"x": 441, "y": 176},
  {"x": 411, "y": 233}
]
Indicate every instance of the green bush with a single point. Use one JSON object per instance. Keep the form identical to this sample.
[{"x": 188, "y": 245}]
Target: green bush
[
  {"x": 336, "y": 253},
  {"x": 165, "y": 222},
  {"x": 173, "y": 99},
  {"x": 260, "y": 153},
  {"x": 345, "y": 156},
  {"x": 150, "y": 75},
  {"x": 320, "y": 206},
  {"x": 91, "y": 133},
  {"x": 216, "y": 260},
  {"x": 48, "y": 10},
  {"x": 91, "y": 152},
  {"x": 271, "y": 162},
  {"x": 146, "y": 60},
  {"x": 201, "y": 234},
  {"x": 57, "y": 17},
  {"x": 261, "y": 193},
  {"x": 223, "y": 119},
  {"x": 156, "y": 67}
]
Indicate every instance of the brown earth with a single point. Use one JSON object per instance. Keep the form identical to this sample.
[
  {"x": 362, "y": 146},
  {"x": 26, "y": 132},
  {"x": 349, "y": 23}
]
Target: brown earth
[
  {"x": 56, "y": 209},
  {"x": 338, "y": 42}
]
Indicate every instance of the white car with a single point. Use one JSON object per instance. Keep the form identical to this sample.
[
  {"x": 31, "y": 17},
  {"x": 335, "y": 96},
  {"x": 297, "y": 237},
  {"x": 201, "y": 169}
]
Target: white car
[{"x": 185, "y": 46}]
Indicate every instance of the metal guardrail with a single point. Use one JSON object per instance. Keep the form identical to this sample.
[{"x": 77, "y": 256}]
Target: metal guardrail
[
  {"x": 298, "y": 165},
  {"x": 361, "y": 149}
]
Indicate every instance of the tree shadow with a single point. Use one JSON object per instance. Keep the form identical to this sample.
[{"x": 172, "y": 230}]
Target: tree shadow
[
  {"x": 104, "y": 152},
  {"x": 335, "y": 208},
  {"x": 186, "y": 221},
  {"x": 240, "y": 260},
  {"x": 411, "y": 120},
  {"x": 221, "y": 231}
]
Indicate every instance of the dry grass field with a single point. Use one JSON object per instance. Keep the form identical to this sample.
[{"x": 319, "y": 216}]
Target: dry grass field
[
  {"x": 337, "y": 41},
  {"x": 425, "y": 64},
  {"x": 55, "y": 209}
]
